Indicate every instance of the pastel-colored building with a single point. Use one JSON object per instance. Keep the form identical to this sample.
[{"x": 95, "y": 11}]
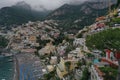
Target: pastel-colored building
[
  {"x": 32, "y": 39},
  {"x": 53, "y": 60},
  {"x": 48, "y": 49},
  {"x": 79, "y": 42},
  {"x": 96, "y": 74},
  {"x": 61, "y": 68},
  {"x": 28, "y": 50},
  {"x": 50, "y": 68}
]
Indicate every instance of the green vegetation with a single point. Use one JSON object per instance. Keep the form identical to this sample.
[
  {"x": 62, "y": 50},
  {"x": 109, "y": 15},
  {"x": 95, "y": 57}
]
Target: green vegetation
[
  {"x": 68, "y": 64},
  {"x": 68, "y": 39},
  {"x": 59, "y": 39},
  {"x": 118, "y": 3},
  {"x": 114, "y": 21},
  {"x": 79, "y": 35},
  {"x": 85, "y": 75},
  {"x": 79, "y": 64},
  {"x": 19, "y": 15},
  {"x": 69, "y": 48},
  {"x": 115, "y": 6},
  {"x": 89, "y": 55},
  {"x": 3, "y": 42},
  {"x": 75, "y": 18},
  {"x": 42, "y": 43},
  {"x": 107, "y": 39},
  {"x": 110, "y": 73},
  {"x": 83, "y": 61},
  {"x": 50, "y": 76}
]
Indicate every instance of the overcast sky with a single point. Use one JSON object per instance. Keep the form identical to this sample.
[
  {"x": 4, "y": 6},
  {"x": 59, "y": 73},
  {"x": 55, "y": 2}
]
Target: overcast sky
[{"x": 48, "y": 4}]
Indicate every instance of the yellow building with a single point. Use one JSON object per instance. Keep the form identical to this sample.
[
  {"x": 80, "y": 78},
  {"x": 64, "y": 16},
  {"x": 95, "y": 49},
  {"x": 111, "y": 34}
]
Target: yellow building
[
  {"x": 112, "y": 13},
  {"x": 50, "y": 68},
  {"x": 61, "y": 68}
]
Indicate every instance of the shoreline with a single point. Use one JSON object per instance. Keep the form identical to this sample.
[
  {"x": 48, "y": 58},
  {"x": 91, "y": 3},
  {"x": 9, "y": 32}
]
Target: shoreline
[
  {"x": 16, "y": 75},
  {"x": 6, "y": 68}
]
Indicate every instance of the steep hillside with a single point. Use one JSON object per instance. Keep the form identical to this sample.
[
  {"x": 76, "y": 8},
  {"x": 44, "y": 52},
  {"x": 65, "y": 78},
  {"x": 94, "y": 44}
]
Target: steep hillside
[
  {"x": 74, "y": 17},
  {"x": 18, "y": 14}
]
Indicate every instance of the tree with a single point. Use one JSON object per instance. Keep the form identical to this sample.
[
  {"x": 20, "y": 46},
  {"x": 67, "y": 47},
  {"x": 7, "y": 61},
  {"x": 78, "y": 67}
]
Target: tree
[
  {"x": 83, "y": 61},
  {"x": 3, "y": 42},
  {"x": 118, "y": 3},
  {"x": 67, "y": 65},
  {"x": 79, "y": 64},
  {"x": 85, "y": 75},
  {"x": 110, "y": 73},
  {"x": 50, "y": 75},
  {"x": 107, "y": 39}
]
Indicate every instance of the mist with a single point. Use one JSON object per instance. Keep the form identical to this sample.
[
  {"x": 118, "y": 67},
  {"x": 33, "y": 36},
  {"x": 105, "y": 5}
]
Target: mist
[
  {"x": 38, "y": 4},
  {"x": 44, "y": 4}
]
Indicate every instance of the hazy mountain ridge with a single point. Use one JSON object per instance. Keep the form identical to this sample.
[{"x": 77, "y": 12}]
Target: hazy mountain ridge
[
  {"x": 19, "y": 13},
  {"x": 69, "y": 17},
  {"x": 77, "y": 16}
]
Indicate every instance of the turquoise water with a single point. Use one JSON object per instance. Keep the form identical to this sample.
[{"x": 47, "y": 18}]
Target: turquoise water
[
  {"x": 96, "y": 61},
  {"x": 6, "y": 68}
]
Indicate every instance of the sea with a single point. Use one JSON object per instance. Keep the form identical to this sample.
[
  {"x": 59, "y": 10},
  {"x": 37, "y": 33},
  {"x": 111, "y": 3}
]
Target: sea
[{"x": 6, "y": 68}]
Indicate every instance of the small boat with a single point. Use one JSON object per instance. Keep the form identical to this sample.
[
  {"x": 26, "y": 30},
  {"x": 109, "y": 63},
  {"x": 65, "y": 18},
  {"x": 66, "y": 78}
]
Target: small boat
[
  {"x": 10, "y": 69},
  {"x": 8, "y": 55},
  {"x": 10, "y": 60}
]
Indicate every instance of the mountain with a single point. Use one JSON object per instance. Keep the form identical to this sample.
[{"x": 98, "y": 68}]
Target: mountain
[
  {"x": 75, "y": 17},
  {"x": 19, "y": 13}
]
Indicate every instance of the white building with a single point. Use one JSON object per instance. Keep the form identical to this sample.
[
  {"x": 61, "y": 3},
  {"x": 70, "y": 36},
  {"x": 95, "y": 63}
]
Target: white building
[
  {"x": 94, "y": 74},
  {"x": 61, "y": 50},
  {"x": 53, "y": 60},
  {"x": 76, "y": 53},
  {"x": 79, "y": 42}
]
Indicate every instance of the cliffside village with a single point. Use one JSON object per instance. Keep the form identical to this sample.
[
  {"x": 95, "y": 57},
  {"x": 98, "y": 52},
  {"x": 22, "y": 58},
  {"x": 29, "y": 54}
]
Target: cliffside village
[{"x": 35, "y": 62}]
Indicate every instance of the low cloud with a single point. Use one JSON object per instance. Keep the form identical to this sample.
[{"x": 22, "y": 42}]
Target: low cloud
[
  {"x": 51, "y": 4},
  {"x": 46, "y": 4}
]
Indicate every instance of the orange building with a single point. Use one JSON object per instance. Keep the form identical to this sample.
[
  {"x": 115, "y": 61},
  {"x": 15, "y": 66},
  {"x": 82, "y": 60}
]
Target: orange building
[{"x": 100, "y": 18}]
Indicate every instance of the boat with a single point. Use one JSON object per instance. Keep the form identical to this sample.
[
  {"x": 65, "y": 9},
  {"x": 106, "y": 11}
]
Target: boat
[
  {"x": 10, "y": 60},
  {"x": 8, "y": 55}
]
